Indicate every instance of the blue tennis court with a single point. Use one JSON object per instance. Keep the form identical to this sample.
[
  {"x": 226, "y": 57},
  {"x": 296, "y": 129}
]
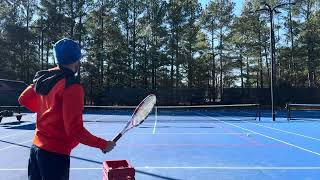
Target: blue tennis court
[{"x": 183, "y": 145}]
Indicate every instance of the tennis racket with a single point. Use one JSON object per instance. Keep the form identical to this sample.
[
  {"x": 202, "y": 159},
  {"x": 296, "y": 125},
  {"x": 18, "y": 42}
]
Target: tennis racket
[{"x": 139, "y": 115}]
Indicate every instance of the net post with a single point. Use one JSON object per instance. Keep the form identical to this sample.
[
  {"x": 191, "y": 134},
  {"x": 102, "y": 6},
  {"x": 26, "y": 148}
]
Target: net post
[{"x": 288, "y": 112}]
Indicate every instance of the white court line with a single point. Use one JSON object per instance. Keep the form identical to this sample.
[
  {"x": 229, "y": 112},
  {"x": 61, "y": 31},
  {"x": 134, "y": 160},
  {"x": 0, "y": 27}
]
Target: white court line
[
  {"x": 11, "y": 146},
  {"x": 183, "y": 133},
  {"x": 96, "y": 120},
  {"x": 235, "y": 167},
  {"x": 199, "y": 167},
  {"x": 13, "y": 135},
  {"x": 288, "y": 132},
  {"x": 155, "y": 122},
  {"x": 204, "y": 133},
  {"x": 269, "y": 137}
]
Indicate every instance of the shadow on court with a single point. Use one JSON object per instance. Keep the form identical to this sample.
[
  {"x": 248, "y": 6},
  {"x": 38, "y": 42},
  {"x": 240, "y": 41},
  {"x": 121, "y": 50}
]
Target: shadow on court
[
  {"x": 11, "y": 123},
  {"x": 137, "y": 171},
  {"x": 19, "y": 125},
  {"x": 16, "y": 144},
  {"x": 99, "y": 163},
  {"x": 31, "y": 126}
]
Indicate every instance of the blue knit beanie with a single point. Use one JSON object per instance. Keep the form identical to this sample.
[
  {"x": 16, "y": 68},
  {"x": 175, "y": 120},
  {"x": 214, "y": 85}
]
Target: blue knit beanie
[{"x": 66, "y": 51}]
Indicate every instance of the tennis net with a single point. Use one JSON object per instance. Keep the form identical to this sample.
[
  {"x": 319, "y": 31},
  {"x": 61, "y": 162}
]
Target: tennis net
[
  {"x": 174, "y": 114},
  {"x": 303, "y": 112}
]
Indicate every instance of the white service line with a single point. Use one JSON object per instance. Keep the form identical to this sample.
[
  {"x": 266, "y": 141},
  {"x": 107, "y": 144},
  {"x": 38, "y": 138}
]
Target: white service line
[
  {"x": 184, "y": 133},
  {"x": 187, "y": 133},
  {"x": 155, "y": 122},
  {"x": 198, "y": 167},
  {"x": 269, "y": 137},
  {"x": 235, "y": 167},
  {"x": 96, "y": 120}
]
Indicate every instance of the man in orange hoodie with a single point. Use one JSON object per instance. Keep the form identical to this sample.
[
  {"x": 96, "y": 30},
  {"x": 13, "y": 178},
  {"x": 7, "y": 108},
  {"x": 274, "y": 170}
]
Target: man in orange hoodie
[{"x": 58, "y": 99}]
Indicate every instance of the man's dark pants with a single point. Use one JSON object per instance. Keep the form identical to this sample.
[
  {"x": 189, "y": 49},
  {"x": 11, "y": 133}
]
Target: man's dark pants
[{"x": 44, "y": 165}]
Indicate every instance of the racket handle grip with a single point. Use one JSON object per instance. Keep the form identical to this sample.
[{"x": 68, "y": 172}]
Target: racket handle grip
[{"x": 117, "y": 137}]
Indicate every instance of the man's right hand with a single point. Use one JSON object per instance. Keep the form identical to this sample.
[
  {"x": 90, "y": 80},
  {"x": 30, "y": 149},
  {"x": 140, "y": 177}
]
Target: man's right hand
[{"x": 110, "y": 146}]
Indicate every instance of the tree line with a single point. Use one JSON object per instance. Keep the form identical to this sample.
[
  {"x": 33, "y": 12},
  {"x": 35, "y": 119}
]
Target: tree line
[{"x": 170, "y": 44}]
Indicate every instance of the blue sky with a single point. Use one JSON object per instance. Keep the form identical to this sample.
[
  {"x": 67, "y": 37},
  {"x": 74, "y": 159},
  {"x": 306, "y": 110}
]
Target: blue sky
[{"x": 237, "y": 7}]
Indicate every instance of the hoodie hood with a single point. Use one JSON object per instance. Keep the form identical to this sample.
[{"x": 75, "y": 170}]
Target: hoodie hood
[{"x": 45, "y": 80}]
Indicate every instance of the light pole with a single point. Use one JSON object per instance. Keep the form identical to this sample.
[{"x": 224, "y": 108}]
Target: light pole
[{"x": 271, "y": 11}]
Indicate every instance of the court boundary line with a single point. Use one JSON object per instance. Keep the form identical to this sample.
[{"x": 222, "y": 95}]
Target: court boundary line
[
  {"x": 196, "y": 168},
  {"x": 288, "y": 132},
  {"x": 182, "y": 133},
  {"x": 266, "y": 136}
]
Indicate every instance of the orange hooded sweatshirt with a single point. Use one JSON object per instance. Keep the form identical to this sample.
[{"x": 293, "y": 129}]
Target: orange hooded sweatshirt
[{"x": 58, "y": 98}]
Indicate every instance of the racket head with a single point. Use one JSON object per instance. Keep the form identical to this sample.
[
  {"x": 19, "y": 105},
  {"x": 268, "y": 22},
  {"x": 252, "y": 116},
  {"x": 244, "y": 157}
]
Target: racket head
[
  {"x": 140, "y": 113},
  {"x": 143, "y": 110}
]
